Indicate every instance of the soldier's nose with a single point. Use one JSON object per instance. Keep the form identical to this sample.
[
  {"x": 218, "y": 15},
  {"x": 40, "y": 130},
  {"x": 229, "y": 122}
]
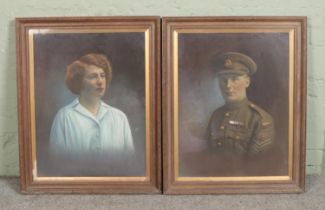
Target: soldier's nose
[{"x": 228, "y": 83}]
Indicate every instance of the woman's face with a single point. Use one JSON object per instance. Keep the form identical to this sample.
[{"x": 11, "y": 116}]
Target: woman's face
[{"x": 94, "y": 82}]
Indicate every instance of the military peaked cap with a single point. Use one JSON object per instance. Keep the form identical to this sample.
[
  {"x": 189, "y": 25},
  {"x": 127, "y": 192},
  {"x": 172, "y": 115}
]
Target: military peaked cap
[{"x": 234, "y": 63}]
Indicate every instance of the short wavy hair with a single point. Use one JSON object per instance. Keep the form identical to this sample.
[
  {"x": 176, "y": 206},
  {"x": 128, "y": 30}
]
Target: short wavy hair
[{"x": 76, "y": 70}]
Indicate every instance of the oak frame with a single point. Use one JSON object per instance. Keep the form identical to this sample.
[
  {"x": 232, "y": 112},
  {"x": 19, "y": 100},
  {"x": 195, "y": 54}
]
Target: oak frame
[
  {"x": 172, "y": 27},
  {"x": 29, "y": 182}
]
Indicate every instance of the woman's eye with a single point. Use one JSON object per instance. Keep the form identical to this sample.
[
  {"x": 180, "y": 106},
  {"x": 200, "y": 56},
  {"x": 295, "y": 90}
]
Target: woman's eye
[{"x": 93, "y": 76}]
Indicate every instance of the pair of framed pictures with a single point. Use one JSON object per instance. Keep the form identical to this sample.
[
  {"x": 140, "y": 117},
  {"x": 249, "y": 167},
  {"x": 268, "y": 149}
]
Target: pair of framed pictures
[{"x": 224, "y": 113}]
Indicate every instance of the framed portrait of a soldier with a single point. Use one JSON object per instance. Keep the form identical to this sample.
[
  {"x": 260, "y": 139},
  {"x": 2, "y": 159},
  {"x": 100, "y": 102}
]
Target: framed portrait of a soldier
[
  {"x": 234, "y": 104},
  {"x": 89, "y": 104}
]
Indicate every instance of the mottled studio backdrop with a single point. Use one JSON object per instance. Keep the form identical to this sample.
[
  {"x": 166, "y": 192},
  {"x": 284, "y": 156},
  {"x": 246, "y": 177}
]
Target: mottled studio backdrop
[
  {"x": 199, "y": 96},
  {"x": 53, "y": 52}
]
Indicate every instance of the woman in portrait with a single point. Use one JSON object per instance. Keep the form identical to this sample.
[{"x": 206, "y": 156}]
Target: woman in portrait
[{"x": 88, "y": 126}]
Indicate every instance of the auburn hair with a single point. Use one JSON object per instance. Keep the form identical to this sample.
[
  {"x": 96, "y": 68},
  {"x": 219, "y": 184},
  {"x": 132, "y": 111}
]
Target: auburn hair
[{"x": 76, "y": 70}]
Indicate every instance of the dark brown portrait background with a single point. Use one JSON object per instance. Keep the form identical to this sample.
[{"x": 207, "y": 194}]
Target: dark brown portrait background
[
  {"x": 199, "y": 96},
  {"x": 53, "y": 52}
]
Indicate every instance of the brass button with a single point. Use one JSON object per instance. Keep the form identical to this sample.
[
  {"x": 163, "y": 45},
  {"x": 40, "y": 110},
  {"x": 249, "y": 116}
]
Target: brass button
[
  {"x": 219, "y": 144},
  {"x": 237, "y": 137},
  {"x": 222, "y": 127},
  {"x": 227, "y": 114}
]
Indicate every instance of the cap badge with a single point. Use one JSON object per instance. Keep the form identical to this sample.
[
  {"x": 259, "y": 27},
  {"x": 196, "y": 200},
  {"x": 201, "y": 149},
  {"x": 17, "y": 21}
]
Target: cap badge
[{"x": 228, "y": 63}]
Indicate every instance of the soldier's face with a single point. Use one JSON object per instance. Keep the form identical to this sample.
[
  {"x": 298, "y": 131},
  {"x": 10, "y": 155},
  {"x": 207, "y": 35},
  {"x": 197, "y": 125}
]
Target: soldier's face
[{"x": 233, "y": 87}]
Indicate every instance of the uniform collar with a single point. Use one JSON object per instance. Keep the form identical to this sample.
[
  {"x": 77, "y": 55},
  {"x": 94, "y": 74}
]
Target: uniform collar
[{"x": 239, "y": 104}]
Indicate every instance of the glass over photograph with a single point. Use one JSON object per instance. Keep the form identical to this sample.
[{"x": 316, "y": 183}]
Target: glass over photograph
[
  {"x": 90, "y": 104},
  {"x": 233, "y": 104}
]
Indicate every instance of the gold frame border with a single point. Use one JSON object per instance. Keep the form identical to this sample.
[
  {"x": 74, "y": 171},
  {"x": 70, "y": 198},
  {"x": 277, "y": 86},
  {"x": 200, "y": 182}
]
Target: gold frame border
[
  {"x": 147, "y": 35},
  {"x": 291, "y": 35}
]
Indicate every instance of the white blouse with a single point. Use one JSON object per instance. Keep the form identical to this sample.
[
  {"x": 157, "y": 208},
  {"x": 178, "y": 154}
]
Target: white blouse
[{"x": 76, "y": 131}]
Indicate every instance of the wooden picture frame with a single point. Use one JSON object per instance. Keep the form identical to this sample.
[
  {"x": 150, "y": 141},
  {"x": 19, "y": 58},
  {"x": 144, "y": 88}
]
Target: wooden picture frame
[
  {"x": 50, "y": 48},
  {"x": 216, "y": 139}
]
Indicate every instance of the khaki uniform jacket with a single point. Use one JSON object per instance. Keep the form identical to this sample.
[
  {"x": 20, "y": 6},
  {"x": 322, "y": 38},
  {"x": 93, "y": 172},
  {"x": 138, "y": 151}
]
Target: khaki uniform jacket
[{"x": 242, "y": 128}]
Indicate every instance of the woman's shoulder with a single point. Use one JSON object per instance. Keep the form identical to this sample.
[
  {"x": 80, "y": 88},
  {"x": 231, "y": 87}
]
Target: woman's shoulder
[
  {"x": 114, "y": 111},
  {"x": 63, "y": 111}
]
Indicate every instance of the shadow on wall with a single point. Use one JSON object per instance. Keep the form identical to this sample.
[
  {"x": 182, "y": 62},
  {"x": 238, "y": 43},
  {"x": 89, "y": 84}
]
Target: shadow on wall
[
  {"x": 323, "y": 161},
  {"x": 8, "y": 103}
]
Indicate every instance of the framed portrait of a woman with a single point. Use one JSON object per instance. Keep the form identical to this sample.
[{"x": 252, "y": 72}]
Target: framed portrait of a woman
[{"x": 88, "y": 95}]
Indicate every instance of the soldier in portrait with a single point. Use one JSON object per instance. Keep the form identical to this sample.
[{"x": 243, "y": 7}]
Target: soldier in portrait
[{"x": 239, "y": 126}]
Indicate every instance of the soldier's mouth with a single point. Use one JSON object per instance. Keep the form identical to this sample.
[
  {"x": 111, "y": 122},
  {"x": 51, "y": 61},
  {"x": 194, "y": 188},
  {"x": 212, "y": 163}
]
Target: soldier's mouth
[
  {"x": 229, "y": 93},
  {"x": 100, "y": 89}
]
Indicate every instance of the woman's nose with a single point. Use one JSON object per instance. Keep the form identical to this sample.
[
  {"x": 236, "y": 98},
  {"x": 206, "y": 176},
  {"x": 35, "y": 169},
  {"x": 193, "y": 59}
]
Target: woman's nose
[{"x": 100, "y": 80}]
